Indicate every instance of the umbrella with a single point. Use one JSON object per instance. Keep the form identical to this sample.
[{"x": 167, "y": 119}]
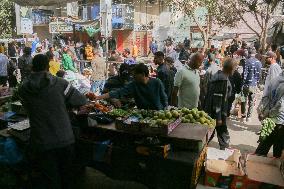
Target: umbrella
[{"x": 41, "y": 2}]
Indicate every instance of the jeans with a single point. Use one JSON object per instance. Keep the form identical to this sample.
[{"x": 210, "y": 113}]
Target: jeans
[
  {"x": 55, "y": 168},
  {"x": 275, "y": 139},
  {"x": 98, "y": 86},
  {"x": 249, "y": 95}
]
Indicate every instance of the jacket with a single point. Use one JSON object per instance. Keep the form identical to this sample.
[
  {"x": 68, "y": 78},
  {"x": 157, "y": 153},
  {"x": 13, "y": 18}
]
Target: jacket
[
  {"x": 252, "y": 72},
  {"x": 89, "y": 52},
  {"x": 68, "y": 63},
  {"x": 272, "y": 106},
  {"x": 25, "y": 66},
  {"x": 218, "y": 92},
  {"x": 46, "y": 98}
]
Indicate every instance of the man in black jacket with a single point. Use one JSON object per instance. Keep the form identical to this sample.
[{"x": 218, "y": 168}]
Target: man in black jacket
[
  {"x": 46, "y": 99},
  {"x": 25, "y": 63},
  {"x": 216, "y": 105}
]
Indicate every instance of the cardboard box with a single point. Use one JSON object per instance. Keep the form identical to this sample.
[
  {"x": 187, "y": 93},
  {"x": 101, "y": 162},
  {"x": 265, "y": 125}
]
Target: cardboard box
[
  {"x": 223, "y": 169},
  {"x": 263, "y": 172}
]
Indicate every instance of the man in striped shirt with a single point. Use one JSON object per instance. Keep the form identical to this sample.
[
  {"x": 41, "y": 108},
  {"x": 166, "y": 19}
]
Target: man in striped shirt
[{"x": 250, "y": 81}]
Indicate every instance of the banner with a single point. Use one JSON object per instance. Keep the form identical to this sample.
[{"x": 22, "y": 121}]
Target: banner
[
  {"x": 24, "y": 21},
  {"x": 41, "y": 17},
  {"x": 72, "y": 9}
]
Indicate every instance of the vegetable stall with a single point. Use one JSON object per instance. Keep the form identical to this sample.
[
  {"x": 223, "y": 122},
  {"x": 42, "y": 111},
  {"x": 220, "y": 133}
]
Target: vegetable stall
[{"x": 160, "y": 149}]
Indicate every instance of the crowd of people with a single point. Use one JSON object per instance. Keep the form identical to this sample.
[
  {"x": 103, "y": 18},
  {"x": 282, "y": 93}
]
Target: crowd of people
[{"x": 178, "y": 76}]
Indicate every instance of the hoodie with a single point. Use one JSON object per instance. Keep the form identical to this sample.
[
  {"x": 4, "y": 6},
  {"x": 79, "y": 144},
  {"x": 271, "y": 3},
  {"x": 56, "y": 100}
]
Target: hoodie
[
  {"x": 273, "y": 106},
  {"x": 46, "y": 99}
]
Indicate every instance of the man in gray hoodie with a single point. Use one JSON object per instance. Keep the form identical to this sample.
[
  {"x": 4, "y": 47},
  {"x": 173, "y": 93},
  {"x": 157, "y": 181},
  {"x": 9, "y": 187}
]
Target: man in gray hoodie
[
  {"x": 46, "y": 99},
  {"x": 272, "y": 106}
]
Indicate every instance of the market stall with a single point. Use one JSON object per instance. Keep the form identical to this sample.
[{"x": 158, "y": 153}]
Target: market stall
[{"x": 160, "y": 149}]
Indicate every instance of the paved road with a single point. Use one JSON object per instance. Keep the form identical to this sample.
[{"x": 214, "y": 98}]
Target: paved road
[{"x": 243, "y": 137}]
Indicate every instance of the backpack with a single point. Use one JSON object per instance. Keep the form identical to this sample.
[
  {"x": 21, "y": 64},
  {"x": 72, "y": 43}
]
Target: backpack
[{"x": 217, "y": 97}]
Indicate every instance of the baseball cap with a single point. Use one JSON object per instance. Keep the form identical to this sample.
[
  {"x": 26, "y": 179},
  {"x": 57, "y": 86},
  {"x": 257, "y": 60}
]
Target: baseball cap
[{"x": 270, "y": 54}]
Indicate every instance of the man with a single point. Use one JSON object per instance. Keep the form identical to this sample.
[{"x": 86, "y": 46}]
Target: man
[
  {"x": 54, "y": 66},
  {"x": 148, "y": 93},
  {"x": 251, "y": 78},
  {"x": 183, "y": 55},
  {"x": 273, "y": 107},
  {"x": 219, "y": 91},
  {"x": 127, "y": 58},
  {"x": 25, "y": 63},
  {"x": 186, "y": 43},
  {"x": 187, "y": 84},
  {"x": 163, "y": 72},
  {"x": 153, "y": 48},
  {"x": 67, "y": 61},
  {"x": 2, "y": 48},
  {"x": 273, "y": 72},
  {"x": 34, "y": 44},
  {"x": 51, "y": 51},
  {"x": 134, "y": 51},
  {"x": 3, "y": 69},
  {"x": 89, "y": 52},
  {"x": 99, "y": 73},
  {"x": 38, "y": 50},
  {"x": 211, "y": 62},
  {"x": 45, "y": 98},
  {"x": 211, "y": 70},
  {"x": 117, "y": 82}
]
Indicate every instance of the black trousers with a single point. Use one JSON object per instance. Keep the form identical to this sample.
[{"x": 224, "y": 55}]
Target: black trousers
[
  {"x": 52, "y": 169},
  {"x": 222, "y": 135},
  {"x": 275, "y": 139},
  {"x": 3, "y": 80}
]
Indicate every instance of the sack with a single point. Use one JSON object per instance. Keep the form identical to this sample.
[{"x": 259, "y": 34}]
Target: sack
[{"x": 9, "y": 152}]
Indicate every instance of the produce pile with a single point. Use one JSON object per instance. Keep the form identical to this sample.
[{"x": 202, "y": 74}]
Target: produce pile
[
  {"x": 197, "y": 117},
  {"x": 95, "y": 107},
  {"x": 164, "y": 117},
  {"x": 268, "y": 126}
]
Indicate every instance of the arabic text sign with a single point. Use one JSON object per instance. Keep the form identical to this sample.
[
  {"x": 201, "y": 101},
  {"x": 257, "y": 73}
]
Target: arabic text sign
[{"x": 60, "y": 27}]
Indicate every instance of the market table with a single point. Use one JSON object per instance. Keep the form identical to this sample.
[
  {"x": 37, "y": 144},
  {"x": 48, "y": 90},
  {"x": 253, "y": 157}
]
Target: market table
[{"x": 179, "y": 168}]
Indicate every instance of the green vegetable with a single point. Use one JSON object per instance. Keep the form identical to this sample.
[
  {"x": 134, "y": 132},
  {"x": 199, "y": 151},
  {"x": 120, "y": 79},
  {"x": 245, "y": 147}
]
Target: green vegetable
[{"x": 267, "y": 128}]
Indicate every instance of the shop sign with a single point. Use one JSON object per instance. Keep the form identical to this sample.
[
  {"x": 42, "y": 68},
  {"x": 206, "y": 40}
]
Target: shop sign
[{"x": 60, "y": 27}]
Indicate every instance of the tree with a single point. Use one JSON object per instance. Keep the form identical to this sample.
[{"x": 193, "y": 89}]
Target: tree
[
  {"x": 7, "y": 19},
  {"x": 214, "y": 14},
  {"x": 260, "y": 11}
]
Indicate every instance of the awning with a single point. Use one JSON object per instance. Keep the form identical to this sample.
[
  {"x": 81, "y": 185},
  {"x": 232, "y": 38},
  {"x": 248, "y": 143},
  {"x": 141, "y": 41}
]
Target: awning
[{"x": 41, "y": 2}]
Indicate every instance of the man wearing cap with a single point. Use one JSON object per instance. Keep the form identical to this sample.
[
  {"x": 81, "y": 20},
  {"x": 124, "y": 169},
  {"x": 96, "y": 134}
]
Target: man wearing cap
[
  {"x": 127, "y": 59},
  {"x": 250, "y": 81},
  {"x": 273, "y": 72}
]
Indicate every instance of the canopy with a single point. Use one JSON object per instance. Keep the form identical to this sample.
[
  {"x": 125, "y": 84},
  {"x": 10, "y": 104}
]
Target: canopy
[{"x": 41, "y": 2}]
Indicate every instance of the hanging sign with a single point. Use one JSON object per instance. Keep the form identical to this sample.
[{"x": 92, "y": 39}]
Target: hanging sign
[{"x": 60, "y": 27}]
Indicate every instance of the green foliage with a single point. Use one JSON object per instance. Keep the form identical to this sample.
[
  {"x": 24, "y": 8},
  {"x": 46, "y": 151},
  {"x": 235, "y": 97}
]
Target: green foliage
[{"x": 7, "y": 18}]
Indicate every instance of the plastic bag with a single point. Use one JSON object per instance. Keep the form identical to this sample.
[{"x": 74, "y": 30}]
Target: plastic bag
[{"x": 9, "y": 152}]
